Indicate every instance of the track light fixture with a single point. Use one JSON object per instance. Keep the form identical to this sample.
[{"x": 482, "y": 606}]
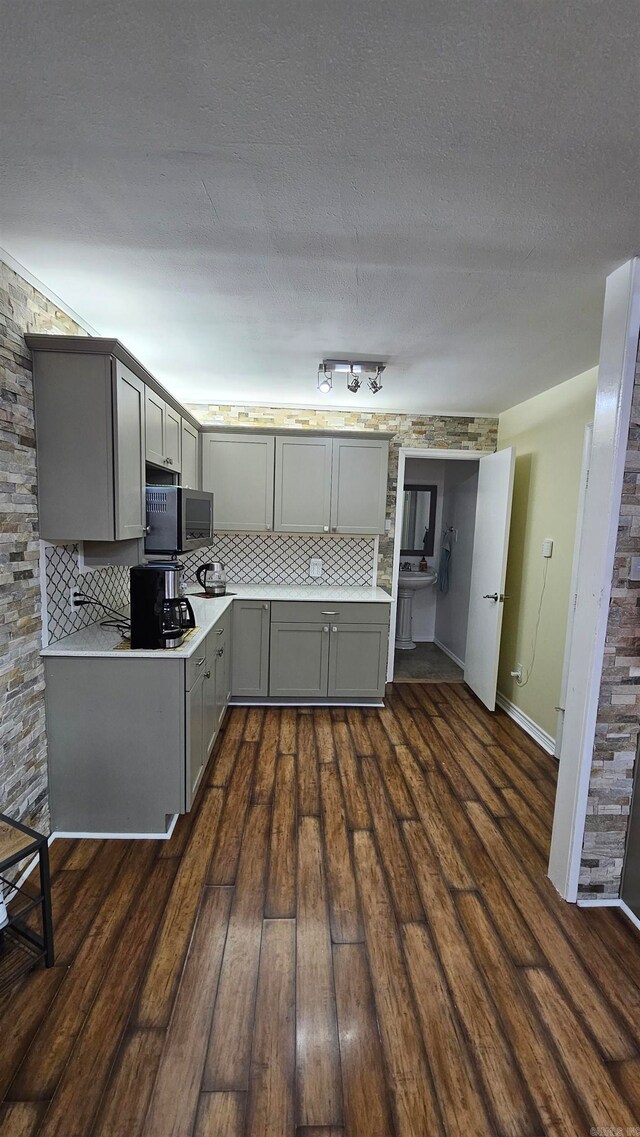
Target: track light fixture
[
  {"x": 352, "y": 368},
  {"x": 325, "y": 380}
]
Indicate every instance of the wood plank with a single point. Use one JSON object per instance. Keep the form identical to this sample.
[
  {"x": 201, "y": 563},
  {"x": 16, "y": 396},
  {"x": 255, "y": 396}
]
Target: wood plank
[
  {"x": 366, "y": 1097},
  {"x": 452, "y": 863},
  {"x": 21, "y": 1118},
  {"x": 224, "y": 861},
  {"x": 418, "y": 732},
  {"x": 540, "y": 791},
  {"x": 78, "y": 1095},
  {"x": 126, "y": 1100},
  {"x": 73, "y": 920},
  {"x": 524, "y": 813},
  {"x": 270, "y": 1107},
  {"x": 626, "y": 1076},
  {"x": 21, "y": 1012},
  {"x": 280, "y": 900},
  {"x": 555, "y": 1102},
  {"x": 163, "y": 973},
  {"x": 393, "y": 854},
  {"x": 414, "y": 1105},
  {"x": 344, "y": 911},
  {"x": 428, "y": 704},
  {"x": 324, "y": 735},
  {"x": 288, "y": 730},
  {"x": 225, "y": 758},
  {"x": 502, "y": 1084},
  {"x": 82, "y": 853},
  {"x": 319, "y": 1090},
  {"x": 220, "y": 1115},
  {"x": 308, "y": 780},
  {"x": 265, "y": 772},
  {"x": 476, "y": 777},
  {"x": 229, "y": 1051},
  {"x": 42, "y": 1068},
  {"x": 589, "y": 1077},
  {"x": 359, "y": 733},
  {"x": 175, "y": 1095},
  {"x": 607, "y": 1031},
  {"x": 320, "y": 1131},
  {"x": 453, "y": 1072},
  {"x": 253, "y": 724},
  {"x": 355, "y": 799},
  {"x": 391, "y": 725},
  {"x": 520, "y": 942}
]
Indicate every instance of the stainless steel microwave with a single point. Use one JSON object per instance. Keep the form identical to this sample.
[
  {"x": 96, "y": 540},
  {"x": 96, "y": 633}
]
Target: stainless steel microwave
[{"x": 178, "y": 520}]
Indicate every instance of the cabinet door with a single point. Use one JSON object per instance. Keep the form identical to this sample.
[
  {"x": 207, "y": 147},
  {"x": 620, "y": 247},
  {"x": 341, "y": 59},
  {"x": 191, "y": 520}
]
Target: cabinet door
[
  {"x": 172, "y": 439},
  {"x": 359, "y": 485},
  {"x": 210, "y": 705},
  {"x": 298, "y": 662},
  {"x": 195, "y": 738},
  {"x": 189, "y": 462},
  {"x": 358, "y": 660},
  {"x": 222, "y": 680},
  {"x": 154, "y": 428},
  {"x": 302, "y": 499},
  {"x": 238, "y": 469},
  {"x": 250, "y": 662},
  {"x": 128, "y": 442}
]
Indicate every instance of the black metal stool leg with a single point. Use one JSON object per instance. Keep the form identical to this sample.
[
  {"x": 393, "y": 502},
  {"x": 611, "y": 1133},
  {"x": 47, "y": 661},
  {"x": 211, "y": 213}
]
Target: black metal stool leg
[{"x": 47, "y": 916}]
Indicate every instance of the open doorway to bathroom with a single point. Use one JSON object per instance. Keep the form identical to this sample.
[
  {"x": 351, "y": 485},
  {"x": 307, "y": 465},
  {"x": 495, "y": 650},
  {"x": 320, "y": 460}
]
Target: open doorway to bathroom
[{"x": 434, "y": 572}]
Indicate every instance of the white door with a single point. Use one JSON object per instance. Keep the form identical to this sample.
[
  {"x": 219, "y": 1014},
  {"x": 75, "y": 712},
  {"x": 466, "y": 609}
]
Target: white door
[{"x": 488, "y": 572}]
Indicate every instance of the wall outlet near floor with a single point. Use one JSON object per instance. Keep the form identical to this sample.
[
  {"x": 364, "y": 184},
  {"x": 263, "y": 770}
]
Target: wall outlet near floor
[
  {"x": 315, "y": 567},
  {"x": 517, "y": 672},
  {"x": 547, "y": 547}
]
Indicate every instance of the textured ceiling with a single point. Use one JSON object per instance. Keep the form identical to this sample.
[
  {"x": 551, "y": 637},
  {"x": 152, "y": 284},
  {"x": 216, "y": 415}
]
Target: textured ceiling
[{"x": 239, "y": 189}]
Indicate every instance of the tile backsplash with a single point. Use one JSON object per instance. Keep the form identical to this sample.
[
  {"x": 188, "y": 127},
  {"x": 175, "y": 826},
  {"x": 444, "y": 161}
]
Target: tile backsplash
[{"x": 250, "y": 558}]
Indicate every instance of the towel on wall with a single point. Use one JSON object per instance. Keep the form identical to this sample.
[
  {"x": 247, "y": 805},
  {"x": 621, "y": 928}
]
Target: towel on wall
[{"x": 445, "y": 558}]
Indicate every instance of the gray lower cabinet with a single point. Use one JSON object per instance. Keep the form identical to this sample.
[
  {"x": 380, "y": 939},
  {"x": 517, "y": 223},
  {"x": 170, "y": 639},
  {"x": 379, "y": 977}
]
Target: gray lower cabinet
[
  {"x": 90, "y": 416},
  {"x": 357, "y": 660},
  {"x": 250, "y": 662},
  {"x": 299, "y": 659},
  {"x": 336, "y": 651},
  {"x": 238, "y": 470},
  {"x": 197, "y": 729}
]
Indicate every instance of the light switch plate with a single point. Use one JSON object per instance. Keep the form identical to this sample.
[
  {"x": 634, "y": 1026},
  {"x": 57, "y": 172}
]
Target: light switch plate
[{"x": 315, "y": 567}]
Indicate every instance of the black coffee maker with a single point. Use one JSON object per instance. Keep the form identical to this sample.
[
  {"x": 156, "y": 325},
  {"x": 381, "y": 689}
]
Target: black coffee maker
[{"x": 160, "y": 614}]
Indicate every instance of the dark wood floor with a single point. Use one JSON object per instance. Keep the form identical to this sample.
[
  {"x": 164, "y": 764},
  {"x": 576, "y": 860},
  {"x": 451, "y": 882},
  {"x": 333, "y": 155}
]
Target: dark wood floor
[{"x": 352, "y": 934}]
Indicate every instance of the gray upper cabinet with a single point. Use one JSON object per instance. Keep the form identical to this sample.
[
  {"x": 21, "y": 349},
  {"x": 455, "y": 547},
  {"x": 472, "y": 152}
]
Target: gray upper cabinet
[
  {"x": 90, "y": 443},
  {"x": 302, "y": 498},
  {"x": 238, "y": 470},
  {"x": 190, "y": 464},
  {"x": 163, "y": 433},
  {"x": 359, "y": 485},
  {"x": 250, "y": 663}
]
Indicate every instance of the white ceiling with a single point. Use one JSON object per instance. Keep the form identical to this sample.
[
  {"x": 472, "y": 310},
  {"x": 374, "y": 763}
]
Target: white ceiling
[{"x": 239, "y": 189}]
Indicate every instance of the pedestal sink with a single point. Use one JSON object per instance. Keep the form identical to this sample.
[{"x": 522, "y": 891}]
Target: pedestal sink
[{"x": 408, "y": 584}]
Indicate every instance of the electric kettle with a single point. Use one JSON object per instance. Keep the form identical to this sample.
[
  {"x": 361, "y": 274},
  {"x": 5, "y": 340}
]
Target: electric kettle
[{"x": 213, "y": 578}]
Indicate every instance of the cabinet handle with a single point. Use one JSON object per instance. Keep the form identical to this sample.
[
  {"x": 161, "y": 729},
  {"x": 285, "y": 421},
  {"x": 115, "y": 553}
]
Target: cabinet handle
[
  {"x": 220, "y": 651},
  {"x": 329, "y": 613},
  {"x": 199, "y": 662},
  {"x": 325, "y": 528},
  {"x": 334, "y": 528},
  {"x": 207, "y": 674},
  {"x": 266, "y": 607},
  {"x": 169, "y": 461},
  {"x": 326, "y": 628},
  {"x": 147, "y": 530},
  {"x": 220, "y": 632},
  {"x": 334, "y": 628}
]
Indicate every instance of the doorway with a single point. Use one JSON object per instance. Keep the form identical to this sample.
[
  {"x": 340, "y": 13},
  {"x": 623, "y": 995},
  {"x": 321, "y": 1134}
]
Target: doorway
[{"x": 438, "y": 500}]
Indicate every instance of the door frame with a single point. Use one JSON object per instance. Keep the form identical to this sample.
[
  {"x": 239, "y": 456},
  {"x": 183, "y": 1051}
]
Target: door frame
[
  {"x": 437, "y": 455},
  {"x": 616, "y": 375}
]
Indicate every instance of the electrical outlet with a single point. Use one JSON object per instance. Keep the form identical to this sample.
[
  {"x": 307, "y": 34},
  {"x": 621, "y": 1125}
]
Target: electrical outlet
[
  {"x": 73, "y": 592},
  {"x": 547, "y": 547},
  {"x": 517, "y": 672},
  {"x": 315, "y": 567}
]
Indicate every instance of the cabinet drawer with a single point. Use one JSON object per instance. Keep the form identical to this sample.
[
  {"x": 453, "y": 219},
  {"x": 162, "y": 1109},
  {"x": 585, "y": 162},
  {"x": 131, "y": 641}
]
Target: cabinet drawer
[
  {"x": 304, "y": 611},
  {"x": 196, "y": 664}
]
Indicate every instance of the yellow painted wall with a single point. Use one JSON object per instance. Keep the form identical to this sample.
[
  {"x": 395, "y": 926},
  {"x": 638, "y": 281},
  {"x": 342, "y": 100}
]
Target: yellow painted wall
[{"x": 548, "y": 434}]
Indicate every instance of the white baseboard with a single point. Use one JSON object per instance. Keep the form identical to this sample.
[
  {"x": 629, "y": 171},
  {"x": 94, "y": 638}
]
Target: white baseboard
[
  {"x": 609, "y": 902},
  {"x": 164, "y": 836},
  {"x": 447, "y": 651},
  {"x": 546, "y": 741}
]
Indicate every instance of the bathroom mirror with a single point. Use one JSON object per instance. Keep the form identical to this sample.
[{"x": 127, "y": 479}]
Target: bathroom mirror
[{"x": 419, "y": 521}]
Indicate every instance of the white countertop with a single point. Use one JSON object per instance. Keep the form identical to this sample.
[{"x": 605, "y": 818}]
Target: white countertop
[{"x": 95, "y": 641}]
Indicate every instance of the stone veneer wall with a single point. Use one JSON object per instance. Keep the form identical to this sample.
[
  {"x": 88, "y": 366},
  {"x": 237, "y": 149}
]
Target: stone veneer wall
[
  {"x": 23, "y": 751},
  {"x": 438, "y": 431},
  {"x": 618, "y": 722}
]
